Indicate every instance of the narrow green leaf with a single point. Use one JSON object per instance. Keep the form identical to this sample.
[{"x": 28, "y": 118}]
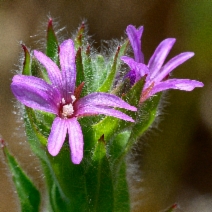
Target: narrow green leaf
[
  {"x": 121, "y": 190},
  {"x": 99, "y": 181},
  {"x": 52, "y": 43},
  {"x": 56, "y": 198},
  {"x": 71, "y": 179},
  {"x": 27, "y": 61},
  {"x": 28, "y": 194}
]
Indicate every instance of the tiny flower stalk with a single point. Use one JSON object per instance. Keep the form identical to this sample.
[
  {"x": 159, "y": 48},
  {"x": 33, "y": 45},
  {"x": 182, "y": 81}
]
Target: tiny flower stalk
[{"x": 82, "y": 117}]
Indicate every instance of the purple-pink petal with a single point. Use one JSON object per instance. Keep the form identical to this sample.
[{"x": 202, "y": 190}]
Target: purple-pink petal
[
  {"x": 57, "y": 135},
  {"x": 180, "y": 84},
  {"x": 68, "y": 67},
  {"x": 139, "y": 68},
  {"x": 134, "y": 36},
  {"x": 52, "y": 69},
  {"x": 95, "y": 110},
  {"x": 159, "y": 56},
  {"x": 75, "y": 140},
  {"x": 103, "y": 99},
  {"x": 35, "y": 93},
  {"x": 172, "y": 64}
]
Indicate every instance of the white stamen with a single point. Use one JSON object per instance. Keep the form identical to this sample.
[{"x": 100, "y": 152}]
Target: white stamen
[
  {"x": 63, "y": 101},
  {"x": 68, "y": 110},
  {"x": 73, "y": 98}
]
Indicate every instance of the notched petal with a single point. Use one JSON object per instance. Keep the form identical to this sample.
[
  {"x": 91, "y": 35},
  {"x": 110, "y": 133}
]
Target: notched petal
[
  {"x": 75, "y": 140},
  {"x": 57, "y": 136}
]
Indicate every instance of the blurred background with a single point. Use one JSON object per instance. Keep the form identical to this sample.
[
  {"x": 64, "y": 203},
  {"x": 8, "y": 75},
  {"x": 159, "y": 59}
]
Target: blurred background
[{"x": 174, "y": 160}]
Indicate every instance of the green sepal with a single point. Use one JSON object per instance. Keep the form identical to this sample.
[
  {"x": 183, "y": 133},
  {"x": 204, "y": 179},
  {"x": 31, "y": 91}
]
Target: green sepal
[
  {"x": 27, "y": 61},
  {"x": 79, "y": 66},
  {"x": 41, "y": 123},
  {"x": 123, "y": 48},
  {"x": 99, "y": 180},
  {"x": 110, "y": 126},
  {"x": 78, "y": 41},
  {"x": 122, "y": 88},
  {"x": 101, "y": 70},
  {"x": 38, "y": 71},
  {"x": 52, "y": 46},
  {"x": 28, "y": 194},
  {"x": 88, "y": 70},
  {"x": 146, "y": 116},
  {"x": 108, "y": 83}
]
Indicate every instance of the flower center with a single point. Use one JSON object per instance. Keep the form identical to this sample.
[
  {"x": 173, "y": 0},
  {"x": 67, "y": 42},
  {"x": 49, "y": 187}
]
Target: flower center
[{"x": 67, "y": 110}]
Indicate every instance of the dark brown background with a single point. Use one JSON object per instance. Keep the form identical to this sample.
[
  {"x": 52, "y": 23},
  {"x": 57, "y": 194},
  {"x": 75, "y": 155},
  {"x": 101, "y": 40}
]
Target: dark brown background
[{"x": 175, "y": 158}]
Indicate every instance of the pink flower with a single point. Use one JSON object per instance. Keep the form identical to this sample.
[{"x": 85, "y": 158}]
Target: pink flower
[
  {"x": 62, "y": 99},
  {"x": 155, "y": 70}
]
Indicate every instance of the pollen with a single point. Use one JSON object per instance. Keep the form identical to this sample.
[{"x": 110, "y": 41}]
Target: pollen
[{"x": 67, "y": 111}]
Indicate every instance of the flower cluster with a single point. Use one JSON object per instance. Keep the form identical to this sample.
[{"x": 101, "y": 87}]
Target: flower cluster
[{"x": 62, "y": 99}]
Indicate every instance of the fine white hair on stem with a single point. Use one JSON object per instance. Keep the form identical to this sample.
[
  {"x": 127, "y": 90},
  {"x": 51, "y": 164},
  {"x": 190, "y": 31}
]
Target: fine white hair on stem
[{"x": 135, "y": 170}]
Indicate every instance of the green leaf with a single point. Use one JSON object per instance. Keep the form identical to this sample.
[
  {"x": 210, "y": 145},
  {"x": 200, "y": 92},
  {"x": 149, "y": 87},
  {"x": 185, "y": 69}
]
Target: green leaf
[
  {"x": 99, "y": 180},
  {"x": 57, "y": 201},
  {"x": 121, "y": 190},
  {"x": 117, "y": 146},
  {"x": 28, "y": 194},
  {"x": 71, "y": 179},
  {"x": 52, "y": 43},
  {"x": 27, "y": 62}
]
